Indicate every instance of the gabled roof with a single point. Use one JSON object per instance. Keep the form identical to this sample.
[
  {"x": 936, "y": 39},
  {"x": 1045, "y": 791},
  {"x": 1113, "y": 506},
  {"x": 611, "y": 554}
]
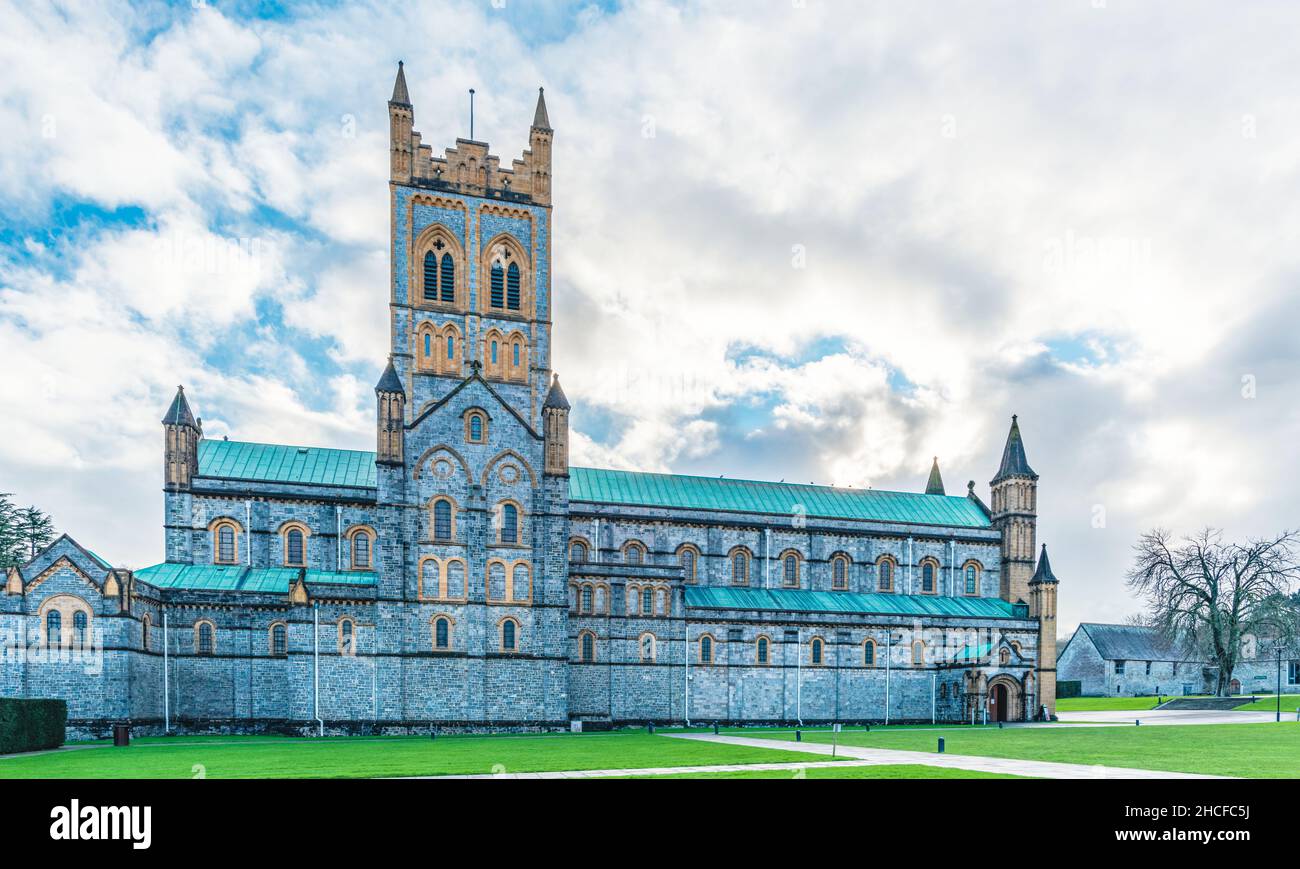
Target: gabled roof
[
  {"x": 63, "y": 545},
  {"x": 1014, "y": 463},
  {"x": 633, "y": 488},
  {"x": 274, "y": 463},
  {"x": 475, "y": 377},
  {"x": 1131, "y": 643},
  {"x": 796, "y": 600}
]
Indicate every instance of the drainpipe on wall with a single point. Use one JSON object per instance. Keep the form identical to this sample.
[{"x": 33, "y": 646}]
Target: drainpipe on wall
[
  {"x": 889, "y": 648},
  {"x": 167, "y": 708},
  {"x": 595, "y": 540},
  {"x": 767, "y": 544},
  {"x": 338, "y": 538},
  {"x": 315, "y": 665},
  {"x": 686, "y": 704},
  {"x": 952, "y": 567},
  {"x": 248, "y": 536},
  {"x": 910, "y": 558},
  {"x": 798, "y": 679},
  {"x": 934, "y": 711}
]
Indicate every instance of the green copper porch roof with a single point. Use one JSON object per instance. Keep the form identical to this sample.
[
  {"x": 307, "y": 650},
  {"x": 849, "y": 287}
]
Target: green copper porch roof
[
  {"x": 239, "y": 577},
  {"x": 795, "y": 600},
  {"x": 747, "y": 496},
  {"x": 274, "y": 463}
]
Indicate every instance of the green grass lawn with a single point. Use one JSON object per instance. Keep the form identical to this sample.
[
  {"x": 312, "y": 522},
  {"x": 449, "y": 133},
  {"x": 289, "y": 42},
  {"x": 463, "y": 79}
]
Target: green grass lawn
[
  {"x": 288, "y": 757},
  {"x": 1136, "y": 704},
  {"x": 875, "y": 772},
  {"x": 1250, "y": 750},
  {"x": 1290, "y": 702}
]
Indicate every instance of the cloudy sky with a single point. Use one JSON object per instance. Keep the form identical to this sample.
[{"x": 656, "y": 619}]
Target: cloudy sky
[{"x": 812, "y": 240}]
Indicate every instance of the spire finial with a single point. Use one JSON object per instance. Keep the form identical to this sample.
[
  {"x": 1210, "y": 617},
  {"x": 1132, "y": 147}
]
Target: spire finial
[
  {"x": 934, "y": 486},
  {"x": 1014, "y": 463},
  {"x": 400, "y": 94},
  {"x": 555, "y": 395},
  {"x": 541, "y": 120},
  {"x": 1043, "y": 573}
]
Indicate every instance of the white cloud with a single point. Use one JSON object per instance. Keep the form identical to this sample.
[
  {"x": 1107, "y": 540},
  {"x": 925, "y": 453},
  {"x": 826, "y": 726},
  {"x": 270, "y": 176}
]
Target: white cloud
[{"x": 963, "y": 198}]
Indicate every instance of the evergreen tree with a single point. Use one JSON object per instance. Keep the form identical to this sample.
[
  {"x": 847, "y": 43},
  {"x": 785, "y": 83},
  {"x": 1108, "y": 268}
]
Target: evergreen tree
[
  {"x": 23, "y": 532},
  {"x": 37, "y": 529},
  {"x": 11, "y": 543}
]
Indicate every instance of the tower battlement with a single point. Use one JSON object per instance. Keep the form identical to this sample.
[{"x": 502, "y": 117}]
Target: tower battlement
[{"x": 469, "y": 167}]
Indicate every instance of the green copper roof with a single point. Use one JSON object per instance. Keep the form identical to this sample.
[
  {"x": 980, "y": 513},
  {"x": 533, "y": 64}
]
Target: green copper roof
[
  {"x": 747, "y": 496},
  {"x": 239, "y": 577},
  {"x": 798, "y": 601},
  {"x": 344, "y": 577},
  {"x": 272, "y": 463}
]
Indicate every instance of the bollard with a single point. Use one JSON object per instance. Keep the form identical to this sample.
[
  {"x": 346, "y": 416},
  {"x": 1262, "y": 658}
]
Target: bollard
[
  {"x": 715, "y": 728},
  {"x": 941, "y": 745},
  {"x": 433, "y": 734},
  {"x": 999, "y": 725},
  {"x": 650, "y": 728},
  {"x": 867, "y": 728},
  {"x": 1137, "y": 722},
  {"x": 798, "y": 736}
]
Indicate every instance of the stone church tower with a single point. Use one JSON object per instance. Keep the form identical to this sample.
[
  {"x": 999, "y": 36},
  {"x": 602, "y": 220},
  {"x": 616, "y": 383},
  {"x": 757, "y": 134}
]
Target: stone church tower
[
  {"x": 472, "y": 426},
  {"x": 1015, "y": 514}
]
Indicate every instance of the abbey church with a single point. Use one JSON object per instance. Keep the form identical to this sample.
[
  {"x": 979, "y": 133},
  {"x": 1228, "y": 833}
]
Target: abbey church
[{"x": 464, "y": 576}]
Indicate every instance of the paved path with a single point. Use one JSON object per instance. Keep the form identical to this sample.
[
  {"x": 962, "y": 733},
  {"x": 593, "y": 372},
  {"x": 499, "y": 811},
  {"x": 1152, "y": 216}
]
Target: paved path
[
  {"x": 667, "y": 770},
  {"x": 1009, "y": 766},
  {"x": 1170, "y": 716}
]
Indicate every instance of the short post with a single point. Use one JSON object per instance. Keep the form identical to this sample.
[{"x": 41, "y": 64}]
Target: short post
[
  {"x": 798, "y": 736},
  {"x": 941, "y": 745},
  {"x": 1137, "y": 722},
  {"x": 121, "y": 735},
  {"x": 650, "y": 727},
  {"x": 715, "y": 728}
]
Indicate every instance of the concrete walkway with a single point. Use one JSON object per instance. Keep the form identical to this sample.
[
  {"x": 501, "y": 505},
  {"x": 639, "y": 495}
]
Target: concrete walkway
[
  {"x": 792, "y": 768},
  {"x": 1169, "y": 716},
  {"x": 1007, "y": 766}
]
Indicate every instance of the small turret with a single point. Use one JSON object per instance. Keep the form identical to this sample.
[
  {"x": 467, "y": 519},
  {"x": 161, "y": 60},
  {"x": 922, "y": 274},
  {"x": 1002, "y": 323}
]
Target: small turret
[
  {"x": 934, "y": 486},
  {"x": 555, "y": 426},
  {"x": 539, "y": 145},
  {"x": 401, "y": 129},
  {"x": 181, "y": 436},
  {"x": 391, "y": 424},
  {"x": 1042, "y": 592}
]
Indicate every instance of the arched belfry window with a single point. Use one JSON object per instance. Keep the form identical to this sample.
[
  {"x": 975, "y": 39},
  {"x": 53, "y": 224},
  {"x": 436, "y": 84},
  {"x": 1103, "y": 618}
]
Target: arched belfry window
[
  {"x": 512, "y": 287},
  {"x": 498, "y": 285},
  {"x": 431, "y": 276},
  {"x": 448, "y": 279}
]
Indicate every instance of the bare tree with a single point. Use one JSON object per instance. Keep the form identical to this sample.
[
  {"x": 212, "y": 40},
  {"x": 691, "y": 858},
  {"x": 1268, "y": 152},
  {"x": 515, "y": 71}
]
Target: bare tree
[{"x": 1210, "y": 595}]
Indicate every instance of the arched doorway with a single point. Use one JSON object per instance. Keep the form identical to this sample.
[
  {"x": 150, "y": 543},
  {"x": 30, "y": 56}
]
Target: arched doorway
[
  {"x": 998, "y": 702},
  {"x": 1005, "y": 699}
]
